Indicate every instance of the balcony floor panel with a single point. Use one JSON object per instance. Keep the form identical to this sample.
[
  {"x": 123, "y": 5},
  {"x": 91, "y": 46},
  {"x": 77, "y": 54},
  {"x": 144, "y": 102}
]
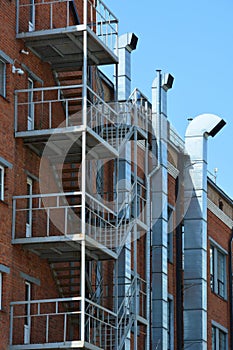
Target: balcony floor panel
[
  {"x": 75, "y": 345},
  {"x": 65, "y": 248},
  {"x": 63, "y": 47},
  {"x": 64, "y": 144}
]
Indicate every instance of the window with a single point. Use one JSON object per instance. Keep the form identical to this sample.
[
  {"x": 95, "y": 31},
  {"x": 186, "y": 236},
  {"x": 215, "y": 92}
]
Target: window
[
  {"x": 219, "y": 337},
  {"x": 27, "y": 321},
  {"x": 170, "y": 327},
  {"x": 29, "y": 207},
  {"x": 0, "y": 290},
  {"x": 1, "y": 183},
  {"x": 32, "y": 16},
  {"x": 212, "y": 268},
  {"x": 3, "y": 271},
  {"x": 100, "y": 177},
  {"x": 218, "y": 271},
  {"x": 30, "y": 105},
  {"x": 2, "y": 78},
  {"x": 170, "y": 227},
  {"x": 182, "y": 232}
]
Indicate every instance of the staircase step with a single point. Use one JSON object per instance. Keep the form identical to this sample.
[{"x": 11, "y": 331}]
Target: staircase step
[
  {"x": 71, "y": 268},
  {"x": 69, "y": 77},
  {"x": 71, "y": 188},
  {"x": 71, "y": 170},
  {"x": 71, "y": 294},
  {"x": 66, "y": 277},
  {"x": 70, "y": 285},
  {"x": 66, "y": 179},
  {"x": 74, "y": 93},
  {"x": 70, "y": 74}
]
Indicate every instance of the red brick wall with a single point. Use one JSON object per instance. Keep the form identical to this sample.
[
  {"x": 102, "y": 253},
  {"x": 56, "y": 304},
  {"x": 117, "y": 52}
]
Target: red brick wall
[
  {"x": 218, "y": 308},
  {"x": 13, "y": 150}
]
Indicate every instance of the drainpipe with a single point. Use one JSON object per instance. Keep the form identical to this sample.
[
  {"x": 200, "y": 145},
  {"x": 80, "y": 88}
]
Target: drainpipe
[
  {"x": 179, "y": 251},
  {"x": 195, "y": 229},
  {"x": 159, "y": 199},
  {"x": 230, "y": 288}
]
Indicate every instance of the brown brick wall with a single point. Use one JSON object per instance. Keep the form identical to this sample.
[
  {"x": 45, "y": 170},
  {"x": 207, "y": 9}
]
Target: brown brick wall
[
  {"x": 13, "y": 150},
  {"x": 218, "y": 308}
]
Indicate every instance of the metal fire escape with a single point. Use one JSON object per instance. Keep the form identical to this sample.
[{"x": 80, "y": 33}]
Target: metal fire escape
[{"x": 80, "y": 220}]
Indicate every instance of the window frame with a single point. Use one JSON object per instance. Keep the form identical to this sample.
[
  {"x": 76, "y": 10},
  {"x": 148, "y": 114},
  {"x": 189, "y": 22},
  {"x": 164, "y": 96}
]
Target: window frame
[
  {"x": 3, "y": 90},
  {"x": 170, "y": 322},
  {"x": 217, "y": 329},
  {"x": 170, "y": 232},
  {"x": 3, "y": 270},
  {"x": 27, "y": 318},
  {"x": 1, "y": 289},
  {"x": 217, "y": 251},
  {"x": 31, "y": 107},
  {"x": 29, "y": 207},
  {"x": 2, "y": 182}
]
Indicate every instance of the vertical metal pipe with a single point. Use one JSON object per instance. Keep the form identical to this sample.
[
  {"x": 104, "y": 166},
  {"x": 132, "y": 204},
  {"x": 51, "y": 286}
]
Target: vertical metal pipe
[
  {"x": 16, "y": 112},
  {"x": 179, "y": 253},
  {"x": 85, "y": 11},
  {"x": 13, "y": 217},
  {"x": 148, "y": 249},
  {"x": 11, "y": 324},
  {"x": 17, "y": 16},
  {"x": 83, "y": 262},
  {"x": 83, "y": 169},
  {"x": 135, "y": 241},
  {"x": 116, "y": 304}
]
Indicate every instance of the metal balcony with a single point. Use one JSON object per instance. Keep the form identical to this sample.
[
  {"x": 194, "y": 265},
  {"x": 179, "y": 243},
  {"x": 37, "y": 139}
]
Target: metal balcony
[
  {"x": 58, "y": 112},
  {"x": 54, "y": 29},
  {"x": 57, "y": 323},
  {"x": 51, "y": 225}
]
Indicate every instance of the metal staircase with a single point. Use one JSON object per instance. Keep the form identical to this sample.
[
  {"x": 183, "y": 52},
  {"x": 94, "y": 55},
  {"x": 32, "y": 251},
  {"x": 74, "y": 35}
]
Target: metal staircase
[{"x": 73, "y": 227}]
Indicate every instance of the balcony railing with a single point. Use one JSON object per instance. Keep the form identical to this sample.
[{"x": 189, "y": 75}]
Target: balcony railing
[
  {"x": 58, "y": 321},
  {"x": 143, "y": 112},
  {"x": 52, "y": 109},
  {"x": 54, "y": 14},
  {"x": 175, "y": 139},
  {"x": 60, "y": 107},
  {"x": 58, "y": 217},
  {"x": 46, "y": 216}
]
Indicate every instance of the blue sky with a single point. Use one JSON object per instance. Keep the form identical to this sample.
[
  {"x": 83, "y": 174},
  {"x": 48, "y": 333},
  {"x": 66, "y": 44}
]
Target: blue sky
[{"x": 192, "y": 40}]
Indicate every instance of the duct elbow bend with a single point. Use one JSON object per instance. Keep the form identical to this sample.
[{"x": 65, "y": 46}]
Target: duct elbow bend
[
  {"x": 205, "y": 125},
  {"x": 128, "y": 41}
]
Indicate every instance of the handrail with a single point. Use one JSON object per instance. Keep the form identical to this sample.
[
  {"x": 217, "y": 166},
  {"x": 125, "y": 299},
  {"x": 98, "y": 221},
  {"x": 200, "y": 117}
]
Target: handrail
[
  {"x": 120, "y": 320},
  {"x": 101, "y": 204},
  {"x": 64, "y": 194},
  {"x": 90, "y": 302},
  {"x": 50, "y": 88},
  {"x": 40, "y": 301},
  {"x": 97, "y": 16}
]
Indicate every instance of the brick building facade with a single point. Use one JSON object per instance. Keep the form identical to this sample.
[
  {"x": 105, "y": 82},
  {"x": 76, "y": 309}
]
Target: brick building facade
[{"x": 112, "y": 235}]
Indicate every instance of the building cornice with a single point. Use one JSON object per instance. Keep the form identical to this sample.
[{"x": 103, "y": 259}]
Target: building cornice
[{"x": 219, "y": 213}]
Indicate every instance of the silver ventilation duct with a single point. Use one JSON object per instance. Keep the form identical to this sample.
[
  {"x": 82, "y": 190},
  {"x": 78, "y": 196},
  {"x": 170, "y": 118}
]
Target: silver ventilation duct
[
  {"x": 195, "y": 229},
  {"x": 127, "y": 43}
]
